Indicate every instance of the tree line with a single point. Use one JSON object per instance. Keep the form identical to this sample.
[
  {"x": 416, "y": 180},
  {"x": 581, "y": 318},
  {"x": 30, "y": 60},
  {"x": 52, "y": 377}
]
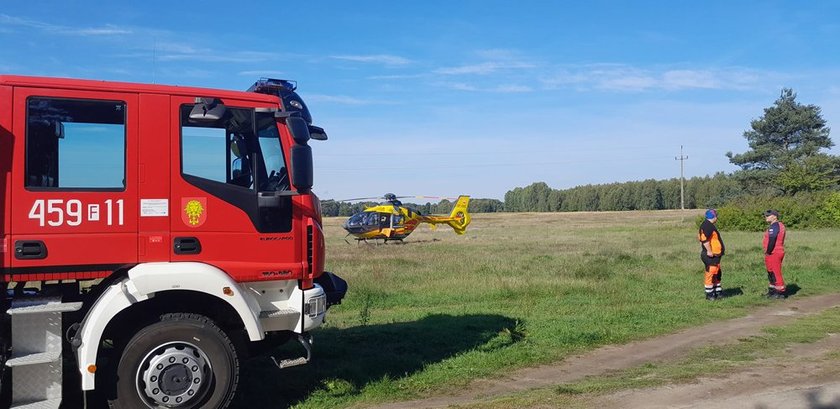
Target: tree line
[{"x": 706, "y": 191}]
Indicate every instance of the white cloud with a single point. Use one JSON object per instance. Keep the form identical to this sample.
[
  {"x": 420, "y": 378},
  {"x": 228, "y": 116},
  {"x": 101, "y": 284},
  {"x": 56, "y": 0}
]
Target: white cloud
[
  {"x": 338, "y": 99},
  {"x": 208, "y": 55},
  {"x": 627, "y": 82},
  {"x": 143, "y": 42},
  {"x": 262, "y": 73},
  {"x": 385, "y": 59},
  {"x": 496, "y": 54},
  {"x": 397, "y": 77},
  {"x": 106, "y": 30},
  {"x": 612, "y": 77},
  {"x": 677, "y": 79},
  {"x": 484, "y": 68},
  {"x": 459, "y": 86},
  {"x": 510, "y": 89},
  {"x": 501, "y": 89}
]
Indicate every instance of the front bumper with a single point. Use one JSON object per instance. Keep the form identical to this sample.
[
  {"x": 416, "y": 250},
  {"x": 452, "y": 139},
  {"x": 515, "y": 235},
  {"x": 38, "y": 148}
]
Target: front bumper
[{"x": 334, "y": 287}]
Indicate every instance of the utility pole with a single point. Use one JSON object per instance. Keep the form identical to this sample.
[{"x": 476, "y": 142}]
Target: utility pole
[{"x": 682, "y": 159}]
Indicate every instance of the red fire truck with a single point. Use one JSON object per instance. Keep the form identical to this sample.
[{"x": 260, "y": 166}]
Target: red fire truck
[{"x": 151, "y": 237}]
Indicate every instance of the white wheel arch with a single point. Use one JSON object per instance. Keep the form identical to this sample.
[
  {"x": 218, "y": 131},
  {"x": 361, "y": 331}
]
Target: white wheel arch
[{"x": 142, "y": 283}]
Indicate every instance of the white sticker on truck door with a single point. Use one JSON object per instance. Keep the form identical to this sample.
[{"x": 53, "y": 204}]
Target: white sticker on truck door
[{"x": 154, "y": 207}]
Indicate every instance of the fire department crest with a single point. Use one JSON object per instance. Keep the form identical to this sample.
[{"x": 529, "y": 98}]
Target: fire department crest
[{"x": 194, "y": 211}]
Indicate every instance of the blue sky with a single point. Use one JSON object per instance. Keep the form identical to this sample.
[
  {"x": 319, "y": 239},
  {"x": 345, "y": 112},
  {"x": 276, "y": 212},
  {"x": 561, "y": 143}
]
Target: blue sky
[{"x": 468, "y": 97}]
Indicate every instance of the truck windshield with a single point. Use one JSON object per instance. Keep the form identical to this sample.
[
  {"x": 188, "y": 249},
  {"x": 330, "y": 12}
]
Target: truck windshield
[{"x": 242, "y": 149}]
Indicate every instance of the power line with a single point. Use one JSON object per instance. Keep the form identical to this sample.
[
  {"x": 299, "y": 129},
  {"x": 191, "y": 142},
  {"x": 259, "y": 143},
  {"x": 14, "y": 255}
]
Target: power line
[{"x": 682, "y": 158}]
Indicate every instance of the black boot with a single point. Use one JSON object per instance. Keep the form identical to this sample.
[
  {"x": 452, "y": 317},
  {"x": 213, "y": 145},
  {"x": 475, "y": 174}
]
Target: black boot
[
  {"x": 779, "y": 295},
  {"x": 710, "y": 296},
  {"x": 719, "y": 295},
  {"x": 771, "y": 292}
]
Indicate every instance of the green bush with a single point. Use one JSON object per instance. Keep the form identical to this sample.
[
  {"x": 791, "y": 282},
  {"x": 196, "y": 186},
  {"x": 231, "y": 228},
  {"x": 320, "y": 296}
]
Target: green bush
[
  {"x": 829, "y": 211},
  {"x": 805, "y": 210}
]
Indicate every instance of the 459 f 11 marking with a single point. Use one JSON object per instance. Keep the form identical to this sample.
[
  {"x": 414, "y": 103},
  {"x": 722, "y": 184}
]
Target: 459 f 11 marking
[{"x": 58, "y": 212}]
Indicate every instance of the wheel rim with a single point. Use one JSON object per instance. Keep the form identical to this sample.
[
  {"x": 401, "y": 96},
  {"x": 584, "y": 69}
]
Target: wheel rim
[{"x": 174, "y": 375}]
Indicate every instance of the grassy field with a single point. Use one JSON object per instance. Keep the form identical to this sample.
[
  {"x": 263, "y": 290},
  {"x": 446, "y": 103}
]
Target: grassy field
[{"x": 517, "y": 290}]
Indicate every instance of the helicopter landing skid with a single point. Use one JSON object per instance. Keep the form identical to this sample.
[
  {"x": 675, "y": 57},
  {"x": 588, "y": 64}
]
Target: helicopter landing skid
[{"x": 374, "y": 241}]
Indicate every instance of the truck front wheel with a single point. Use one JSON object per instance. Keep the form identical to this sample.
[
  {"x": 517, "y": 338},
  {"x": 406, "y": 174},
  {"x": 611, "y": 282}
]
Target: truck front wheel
[{"x": 182, "y": 361}]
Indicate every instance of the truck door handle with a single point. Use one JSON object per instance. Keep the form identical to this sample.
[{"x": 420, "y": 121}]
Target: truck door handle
[
  {"x": 30, "y": 250},
  {"x": 187, "y": 245}
]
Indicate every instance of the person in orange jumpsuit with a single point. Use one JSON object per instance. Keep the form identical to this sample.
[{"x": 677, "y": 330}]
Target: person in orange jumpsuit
[
  {"x": 774, "y": 254},
  {"x": 711, "y": 251}
]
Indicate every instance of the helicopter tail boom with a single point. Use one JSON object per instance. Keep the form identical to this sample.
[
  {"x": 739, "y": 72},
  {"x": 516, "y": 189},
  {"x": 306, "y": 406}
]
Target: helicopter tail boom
[{"x": 459, "y": 219}]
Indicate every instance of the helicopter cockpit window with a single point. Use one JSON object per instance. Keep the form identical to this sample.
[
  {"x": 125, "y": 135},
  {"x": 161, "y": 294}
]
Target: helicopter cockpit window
[
  {"x": 364, "y": 219},
  {"x": 356, "y": 219}
]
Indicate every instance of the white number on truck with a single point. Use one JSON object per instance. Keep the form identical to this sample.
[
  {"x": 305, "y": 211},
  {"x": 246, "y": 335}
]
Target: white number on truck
[{"x": 57, "y": 212}]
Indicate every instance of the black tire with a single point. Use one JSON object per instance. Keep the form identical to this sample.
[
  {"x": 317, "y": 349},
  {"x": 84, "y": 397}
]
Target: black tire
[{"x": 194, "y": 362}]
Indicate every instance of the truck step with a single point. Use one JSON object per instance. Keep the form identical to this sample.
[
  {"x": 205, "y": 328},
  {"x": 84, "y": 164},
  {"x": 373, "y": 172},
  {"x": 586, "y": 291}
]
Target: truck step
[
  {"x": 287, "y": 363},
  {"x": 34, "y": 359},
  {"x": 44, "y": 404},
  {"x": 306, "y": 341},
  {"x": 285, "y": 312},
  {"x": 42, "y": 306},
  {"x": 36, "y": 363}
]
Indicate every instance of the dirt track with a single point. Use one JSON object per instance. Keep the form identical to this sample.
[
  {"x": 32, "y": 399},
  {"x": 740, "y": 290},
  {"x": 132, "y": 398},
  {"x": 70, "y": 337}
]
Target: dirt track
[{"x": 768, "y": 384}]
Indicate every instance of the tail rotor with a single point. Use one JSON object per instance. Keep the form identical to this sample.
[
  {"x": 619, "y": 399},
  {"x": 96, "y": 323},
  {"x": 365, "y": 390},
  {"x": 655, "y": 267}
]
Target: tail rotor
[{"x": 460, "y": 216}]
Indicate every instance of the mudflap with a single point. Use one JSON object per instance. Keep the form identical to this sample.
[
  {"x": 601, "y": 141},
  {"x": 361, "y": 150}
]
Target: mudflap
[{"x": 334, "y": 286}]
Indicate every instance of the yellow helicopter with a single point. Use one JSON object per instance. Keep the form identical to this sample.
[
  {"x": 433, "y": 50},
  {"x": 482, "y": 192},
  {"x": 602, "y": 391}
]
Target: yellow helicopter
[{"x": 393, "y": 221}]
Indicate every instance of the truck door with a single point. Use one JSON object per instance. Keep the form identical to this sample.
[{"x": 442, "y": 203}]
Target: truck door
[
  {"x": 74, "y": 182},
  {"x": 231, "y": 206}
]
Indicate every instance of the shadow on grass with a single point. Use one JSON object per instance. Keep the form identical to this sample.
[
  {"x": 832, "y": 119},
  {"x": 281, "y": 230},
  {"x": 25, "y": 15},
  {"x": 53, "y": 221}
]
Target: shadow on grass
[
  {"x": 346, "y": 360},
  {"x": 731, "y": 292},
  {"x": 791, "y": 289}
]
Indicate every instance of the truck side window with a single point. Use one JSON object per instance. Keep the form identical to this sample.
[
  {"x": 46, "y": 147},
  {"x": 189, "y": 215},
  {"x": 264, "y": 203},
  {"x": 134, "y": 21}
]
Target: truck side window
[
  {"x": 274, "y": 176},
  {"x": 222, "y": 151},
  {"x": 75, "y": 143}
]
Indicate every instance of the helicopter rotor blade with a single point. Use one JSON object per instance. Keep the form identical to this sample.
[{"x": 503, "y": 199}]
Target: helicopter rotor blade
[
  {"x": 386, "y": 197},
  {"x": 360, "y": 198},
  {"x": 437, "y": 197}
]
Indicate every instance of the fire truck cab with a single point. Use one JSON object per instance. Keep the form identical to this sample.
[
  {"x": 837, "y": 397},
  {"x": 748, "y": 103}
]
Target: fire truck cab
[{"x": 150, "y": 234}]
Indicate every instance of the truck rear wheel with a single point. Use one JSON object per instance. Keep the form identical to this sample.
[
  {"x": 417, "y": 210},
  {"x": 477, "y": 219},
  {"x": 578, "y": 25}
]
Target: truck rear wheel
[{"x": 182, "y": 361}]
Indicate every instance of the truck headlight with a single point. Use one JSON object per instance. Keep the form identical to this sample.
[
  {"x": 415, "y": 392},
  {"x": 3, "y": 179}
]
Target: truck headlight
[{"x": 316, "y": 306}]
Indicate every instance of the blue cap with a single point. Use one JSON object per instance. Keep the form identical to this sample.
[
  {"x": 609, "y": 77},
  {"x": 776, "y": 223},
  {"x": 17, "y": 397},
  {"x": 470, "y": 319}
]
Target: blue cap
[
  {"x": 711, "y": 214},
  {"x": 771, "y": 212}
]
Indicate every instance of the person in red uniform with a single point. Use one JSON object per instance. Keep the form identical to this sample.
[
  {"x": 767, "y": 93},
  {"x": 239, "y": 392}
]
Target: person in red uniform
[
  {"x": 711, "y": 250},
  {"x": 774, "y": 253}
]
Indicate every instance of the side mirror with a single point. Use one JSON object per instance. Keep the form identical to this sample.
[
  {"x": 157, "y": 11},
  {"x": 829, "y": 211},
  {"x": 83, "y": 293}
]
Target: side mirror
[
  {"x": 59, "y": 129},
  {"x": 302, "y": 168},
  {"x": 207, "y": 110},
  {"x": 317, "y": 133},
  {"x": 299, "y": 129}
]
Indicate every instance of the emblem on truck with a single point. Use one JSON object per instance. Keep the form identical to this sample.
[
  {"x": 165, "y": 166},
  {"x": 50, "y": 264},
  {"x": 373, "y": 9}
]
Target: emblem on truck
[{"x": 195, "y": 211}]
